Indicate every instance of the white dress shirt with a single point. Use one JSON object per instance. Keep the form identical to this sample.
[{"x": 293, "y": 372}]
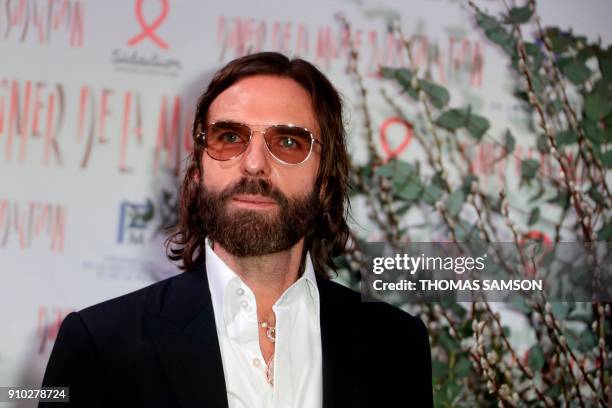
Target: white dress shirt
[{"x": 297, "y": 356}]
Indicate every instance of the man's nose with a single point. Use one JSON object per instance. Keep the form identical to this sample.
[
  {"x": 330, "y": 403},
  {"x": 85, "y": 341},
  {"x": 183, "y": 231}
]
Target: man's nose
[{"x": 256, "y": 161}]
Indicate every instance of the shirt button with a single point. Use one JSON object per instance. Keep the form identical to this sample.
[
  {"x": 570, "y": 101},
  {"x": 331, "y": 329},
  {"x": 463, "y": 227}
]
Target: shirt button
[
  {"x": 244, "y": 304},
  {"x": 256, "y": 362},
  {"x": 240, "y": 291}
]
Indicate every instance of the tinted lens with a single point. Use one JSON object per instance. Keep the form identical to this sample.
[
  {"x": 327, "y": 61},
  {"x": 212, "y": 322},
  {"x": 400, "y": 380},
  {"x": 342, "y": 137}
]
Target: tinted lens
[
  {"x": 225, "y": 140},
  {"x": 290, "y": 144}
]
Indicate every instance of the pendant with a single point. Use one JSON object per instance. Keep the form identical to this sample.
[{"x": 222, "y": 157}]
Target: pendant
[
  {"x": 271, "y": 334},
  {"x": 270, "y": 371}
]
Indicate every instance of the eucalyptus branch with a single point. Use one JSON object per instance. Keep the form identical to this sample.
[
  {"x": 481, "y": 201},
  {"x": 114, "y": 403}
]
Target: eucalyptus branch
[
  {"x": 425, "y": 105},
  {"x": 479, "y": 354},
  {"x": 526, "y": 370},
  {"x": 555, "y": 333},
  {"x": 430, "y": 159},
  {"x": 570, "y": 113},
  {"x": 578, "y": 201},
  {"x": 385, "y": 196}
]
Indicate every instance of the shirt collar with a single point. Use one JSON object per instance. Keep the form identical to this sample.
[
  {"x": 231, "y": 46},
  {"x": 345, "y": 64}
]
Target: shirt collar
[{"x": 222, "y": 278}]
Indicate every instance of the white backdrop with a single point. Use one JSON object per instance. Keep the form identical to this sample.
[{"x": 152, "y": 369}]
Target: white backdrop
[{"x": 96, "y": 102}]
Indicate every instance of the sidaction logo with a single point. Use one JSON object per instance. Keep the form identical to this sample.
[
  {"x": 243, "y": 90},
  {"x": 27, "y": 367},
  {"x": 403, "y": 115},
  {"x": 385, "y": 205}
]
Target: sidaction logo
[
  {"x": 148, "y": 30},
  {"x": 137, "y": 57}
]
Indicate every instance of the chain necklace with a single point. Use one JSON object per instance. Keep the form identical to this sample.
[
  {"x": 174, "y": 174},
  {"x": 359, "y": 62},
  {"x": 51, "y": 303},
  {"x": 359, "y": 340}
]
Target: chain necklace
[
  {"x": 271, "y": 336},
  {"x": 270, "y": 370},
  {"x": 270, "y": 330}
]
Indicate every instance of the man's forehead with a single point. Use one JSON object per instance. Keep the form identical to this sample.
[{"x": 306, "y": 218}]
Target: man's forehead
[{"x": 264, "y": 100}]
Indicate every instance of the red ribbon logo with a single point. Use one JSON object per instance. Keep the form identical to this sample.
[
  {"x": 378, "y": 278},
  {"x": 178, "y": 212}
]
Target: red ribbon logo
[
  {"x": 383, "y": 137},
  {"x": 148, "y": 30}
]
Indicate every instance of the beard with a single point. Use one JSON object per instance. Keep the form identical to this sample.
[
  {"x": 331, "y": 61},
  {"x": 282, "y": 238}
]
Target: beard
[{"x": 247, "y": 233}]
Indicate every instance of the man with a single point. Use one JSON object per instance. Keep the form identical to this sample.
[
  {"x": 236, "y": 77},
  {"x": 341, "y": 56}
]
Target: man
[{"x": 254, "y": 321}]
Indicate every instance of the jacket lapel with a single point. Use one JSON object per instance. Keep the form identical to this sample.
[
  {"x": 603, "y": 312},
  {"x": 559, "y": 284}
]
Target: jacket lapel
[
  {"x": 185, "y": 336},
  {"x": 339, "y": 349}
]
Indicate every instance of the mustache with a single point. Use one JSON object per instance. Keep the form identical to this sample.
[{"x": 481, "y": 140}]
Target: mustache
[{"x": 253, "y": 186}]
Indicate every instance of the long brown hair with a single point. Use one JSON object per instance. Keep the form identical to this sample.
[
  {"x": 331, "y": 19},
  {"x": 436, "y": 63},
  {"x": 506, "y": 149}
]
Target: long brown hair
[{"x": 329, "y": 237}]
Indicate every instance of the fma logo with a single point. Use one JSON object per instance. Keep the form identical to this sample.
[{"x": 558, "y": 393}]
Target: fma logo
[
  {"x": 134, "y": 220},
  {"x": 148, "y": 30}
]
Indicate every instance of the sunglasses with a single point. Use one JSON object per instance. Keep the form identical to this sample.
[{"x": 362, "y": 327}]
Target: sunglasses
[{"x": 289, "y": 144}]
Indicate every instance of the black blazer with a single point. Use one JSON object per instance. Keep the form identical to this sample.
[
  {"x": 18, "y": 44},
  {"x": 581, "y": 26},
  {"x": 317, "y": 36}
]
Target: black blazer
[{"x": 158, "y": 347}]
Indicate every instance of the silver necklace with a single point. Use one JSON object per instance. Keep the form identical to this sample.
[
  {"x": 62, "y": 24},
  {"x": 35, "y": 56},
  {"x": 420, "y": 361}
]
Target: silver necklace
[
  {"x": 270, "y": 330},
  {"x": 270, "y": 370},
  {"x": 271, "y": 336}
]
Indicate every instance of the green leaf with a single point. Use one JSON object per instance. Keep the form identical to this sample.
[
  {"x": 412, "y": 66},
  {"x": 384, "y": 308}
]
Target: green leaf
[
  {"x": 587, "y": 340},
  {"x": 452, "y": 119},
  {"x": 560, "y": 43},
  {"x": 438, "y": 180},
  {"x": 560, "y": 309},
  {"x": 403, "y": 77},
  {"x": 533, "y": 49},
  {"x": 455, "y": 202},
  {"x": 529, "y": 168},
  {"x": 534, "y": 215},
  {"x": 576, "y": 72},
  {"x": 605, "y": 65},
  {"x": 556, "y": 106},
  {"x": 592, "y": 131},
  {"x": 448, "y": 343},
  {"x": 596, "y": 195},
  {"x": 499, "y": 36},
  {"x": 439, "y": 95},
  {"x": 586, "y": 53},
  {"x": 561, "y": 199},
  {"x": 536, "y": 358},
  {"x": 397, "y": 170},
  {"x": 554, "y": 391},
  {"x": 432, "y": 194},
  {"x": 387, "y": 72},
  {"x": 485, "y": 21},
  {"x": 411, "y": 190},
  {"x": 537, "y": 81},
  {"x": 606, "y": 159},
  {"x": 519, "y": 15},
  {"x": 521, "y": 305},
  {"x": 477, "y": 126},
  {"x": 509, "y": 142},
  {"x": 542, "y": 143},
  {"x": 535, "y": 52},
  {"x": 466, "y": 232},
  {"x": 596, "y": 106},
  {"x": 563, "y": 62},
  {"x": 463, "y": 367},
  {"x": 439, "y": 370},
  {"x": 566, "y": 137},
  {"x": 605, "y": 232},
  {"x": 466, "y": 186}
]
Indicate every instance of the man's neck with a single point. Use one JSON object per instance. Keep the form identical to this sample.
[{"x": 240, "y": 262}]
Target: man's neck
[{"x": 268, "y": 276}]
